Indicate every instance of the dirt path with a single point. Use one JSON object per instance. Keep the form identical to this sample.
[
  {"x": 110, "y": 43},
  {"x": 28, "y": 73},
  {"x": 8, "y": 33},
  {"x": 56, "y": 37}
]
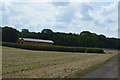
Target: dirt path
[{"x": 109, "y": 70}]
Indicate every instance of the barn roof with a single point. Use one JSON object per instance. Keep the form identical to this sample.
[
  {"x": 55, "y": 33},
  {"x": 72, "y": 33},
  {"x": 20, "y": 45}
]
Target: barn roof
[{"x": 37, "y": 40}]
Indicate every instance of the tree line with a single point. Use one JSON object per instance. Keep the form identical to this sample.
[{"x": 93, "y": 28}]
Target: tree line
[{"x": 84, "y": 39}]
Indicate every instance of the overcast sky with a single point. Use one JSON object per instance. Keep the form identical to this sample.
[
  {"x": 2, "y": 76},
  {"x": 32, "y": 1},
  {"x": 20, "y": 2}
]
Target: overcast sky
[{"x": 74, "y": 17}]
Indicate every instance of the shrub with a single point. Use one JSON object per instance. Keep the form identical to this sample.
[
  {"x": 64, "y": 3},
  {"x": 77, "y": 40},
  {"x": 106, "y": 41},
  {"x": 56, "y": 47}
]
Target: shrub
[
  {"x": 53, "y": 48},
  {"x": 94, "y": 50}
]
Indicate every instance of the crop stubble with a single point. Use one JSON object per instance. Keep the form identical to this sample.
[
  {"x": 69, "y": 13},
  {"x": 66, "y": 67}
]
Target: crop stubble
[{"x": 19, "y": 63}]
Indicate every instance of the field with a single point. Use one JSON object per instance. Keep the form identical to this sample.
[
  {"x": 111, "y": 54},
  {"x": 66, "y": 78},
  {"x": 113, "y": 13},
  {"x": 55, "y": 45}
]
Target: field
[{"x": 20, "y": 63}]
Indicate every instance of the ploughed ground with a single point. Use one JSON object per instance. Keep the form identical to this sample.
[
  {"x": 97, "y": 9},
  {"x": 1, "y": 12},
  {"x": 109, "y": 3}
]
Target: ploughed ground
[{"x": 20, "y": 63}]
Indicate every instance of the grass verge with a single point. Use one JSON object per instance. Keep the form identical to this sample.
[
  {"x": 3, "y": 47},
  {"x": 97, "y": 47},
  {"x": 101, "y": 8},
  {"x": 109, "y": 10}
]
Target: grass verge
[
  {"x": 89, "y": 69},
  {"x": 19, "y": 67}
]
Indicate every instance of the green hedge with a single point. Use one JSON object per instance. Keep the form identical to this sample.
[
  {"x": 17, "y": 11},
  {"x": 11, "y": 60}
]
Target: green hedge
[
  {"x": 94, "y": 50},
  {"x": 53, "y": 48}
]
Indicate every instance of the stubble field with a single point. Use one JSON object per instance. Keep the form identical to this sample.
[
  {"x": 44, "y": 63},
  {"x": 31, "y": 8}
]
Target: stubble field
[{"x": 20, "y": 63}]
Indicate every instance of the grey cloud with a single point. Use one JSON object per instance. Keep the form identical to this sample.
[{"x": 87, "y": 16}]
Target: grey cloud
[
  {"x": 66, "y": 16},
  {"x": 84, "y": 11},
  {"x": 60, "y": 3},
  {"x": 98, "y": 24},
  {"x": 110, "y": 21}
]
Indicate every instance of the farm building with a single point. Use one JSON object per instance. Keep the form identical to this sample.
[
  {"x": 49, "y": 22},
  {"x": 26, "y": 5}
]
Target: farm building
[{"x": 34, "y": 41}]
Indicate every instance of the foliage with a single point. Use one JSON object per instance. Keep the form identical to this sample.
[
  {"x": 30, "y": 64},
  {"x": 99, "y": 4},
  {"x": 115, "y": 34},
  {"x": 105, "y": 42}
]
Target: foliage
[
  {"x": 94, "y": 50},
  {"x": 53, "y": 48},
  {"x": 47, "y": 31},
  {"x": 88, "y": 39},
  {"x": 84, "y": 39},
  {"x": 9, "y": 34},
  {"x": 0, "y": 33}
]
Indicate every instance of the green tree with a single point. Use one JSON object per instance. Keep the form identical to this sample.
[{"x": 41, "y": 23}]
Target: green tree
[
  {"x": 9, "y": 34},
  {"x": 0, "y": 34},
  {"x": 88, "y": 39},
  {"x": 47, "y": 31},
  {"x": 24, "y": 33},
  {"x": 47, "y": 34},
  {"x": 102, "y": 41}
]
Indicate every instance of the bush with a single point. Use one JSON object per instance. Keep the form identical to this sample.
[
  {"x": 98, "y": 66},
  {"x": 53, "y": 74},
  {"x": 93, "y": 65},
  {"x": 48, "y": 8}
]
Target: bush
[
  {"x": 53, "y": 48},
  {"x": 94, "y": 50}
]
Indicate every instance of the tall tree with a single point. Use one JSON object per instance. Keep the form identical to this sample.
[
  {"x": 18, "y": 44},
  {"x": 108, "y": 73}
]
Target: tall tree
[
  {"x": 88, "y": 39},
  {"x": 24, "y": 33},
  {"x": 9, "y": 34},
  {"x": 0, "y": 34},
  {"x": 47, "y": 33},
  {"x": 85, "y": 38}
]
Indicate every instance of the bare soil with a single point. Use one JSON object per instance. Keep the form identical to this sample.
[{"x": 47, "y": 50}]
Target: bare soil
[{"x": 20, "y": 63}]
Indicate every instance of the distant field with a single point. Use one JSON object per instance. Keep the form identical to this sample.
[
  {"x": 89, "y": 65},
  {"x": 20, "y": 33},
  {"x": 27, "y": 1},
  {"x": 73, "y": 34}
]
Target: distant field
[{"x": 20, "y": 63}]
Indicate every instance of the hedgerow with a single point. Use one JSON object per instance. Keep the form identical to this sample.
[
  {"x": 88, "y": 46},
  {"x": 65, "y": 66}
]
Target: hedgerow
[
  {"x": 94, "y": 50},
  {"x": 53, "y": 48}
]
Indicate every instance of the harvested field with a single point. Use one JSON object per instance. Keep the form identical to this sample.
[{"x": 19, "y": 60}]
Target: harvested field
[{"x": 20, "y": 63}]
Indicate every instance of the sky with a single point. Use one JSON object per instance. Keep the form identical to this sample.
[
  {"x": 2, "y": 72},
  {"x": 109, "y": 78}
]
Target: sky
[{"x": 69, "y": 16}]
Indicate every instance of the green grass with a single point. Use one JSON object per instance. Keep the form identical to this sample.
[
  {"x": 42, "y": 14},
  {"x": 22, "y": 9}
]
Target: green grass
[
  {"x": 70, "y": 60},
  {"x": 40, "y": 55},
  {"x": 14, "y": 68},
  {"x": 19, "y": 67}
]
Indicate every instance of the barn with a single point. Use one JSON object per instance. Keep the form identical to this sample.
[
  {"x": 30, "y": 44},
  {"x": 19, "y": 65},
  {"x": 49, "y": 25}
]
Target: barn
[{"x": 34, "y": 41}]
